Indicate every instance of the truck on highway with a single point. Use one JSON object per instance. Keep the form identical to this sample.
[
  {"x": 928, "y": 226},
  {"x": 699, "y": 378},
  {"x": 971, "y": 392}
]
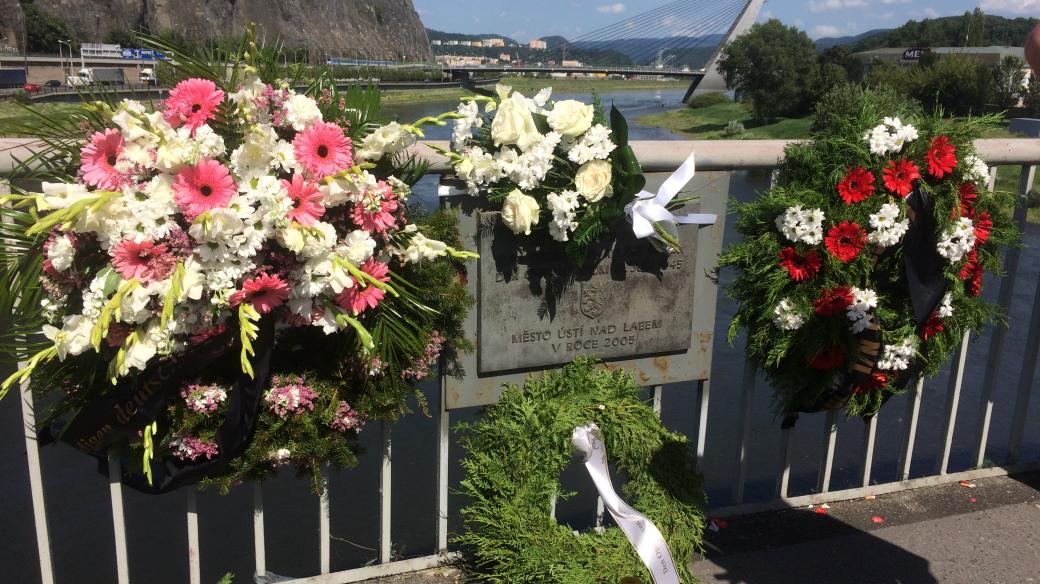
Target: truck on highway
[
  {"x": 98, "y": 76},
  {"x": 12, "y": 78},
  {"x": 148, "y": 77}
]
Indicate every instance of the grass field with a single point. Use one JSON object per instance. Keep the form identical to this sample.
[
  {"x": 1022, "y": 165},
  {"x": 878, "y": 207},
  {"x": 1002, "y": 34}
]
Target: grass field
[
  {"x": 530, "y": 85},
  {"x": 709, "y": 123},
  {"x": 13, "y": 116}
]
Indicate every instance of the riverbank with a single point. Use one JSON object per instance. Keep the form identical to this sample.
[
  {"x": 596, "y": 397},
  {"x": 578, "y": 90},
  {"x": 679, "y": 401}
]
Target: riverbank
[
  {"x": 709, "y": 123},
  {"x": 533, "y": 84}
]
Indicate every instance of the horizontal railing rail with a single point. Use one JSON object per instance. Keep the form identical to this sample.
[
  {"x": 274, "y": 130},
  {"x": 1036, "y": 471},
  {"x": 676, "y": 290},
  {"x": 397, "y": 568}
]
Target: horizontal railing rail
[{"x": 658, "y": 157}]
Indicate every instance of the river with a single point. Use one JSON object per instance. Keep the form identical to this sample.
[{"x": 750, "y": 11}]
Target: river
[{"x": 79, "y": 510}]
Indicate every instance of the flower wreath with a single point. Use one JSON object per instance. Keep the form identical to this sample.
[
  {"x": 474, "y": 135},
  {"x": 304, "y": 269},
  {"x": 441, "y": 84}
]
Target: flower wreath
[
  {"x": 553, "y": 166},
  {"x": 223, "y": 281},
  {"x": 514, "y": 457},
  {"x": 863, "y": 265}
]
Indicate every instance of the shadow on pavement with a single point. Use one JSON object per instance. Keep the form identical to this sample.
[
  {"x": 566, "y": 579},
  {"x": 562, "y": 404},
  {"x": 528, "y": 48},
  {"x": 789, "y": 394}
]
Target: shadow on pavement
[{"x": 805, "y": 546}]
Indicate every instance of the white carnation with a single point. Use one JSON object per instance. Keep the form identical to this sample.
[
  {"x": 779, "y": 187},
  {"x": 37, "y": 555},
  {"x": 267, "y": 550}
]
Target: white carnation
[
  {"x": 786, "y": 316},
  {"x": 957, "y": 241},
  {"x": 897, "y": 357},
  {"x": 61, "y": 253}
]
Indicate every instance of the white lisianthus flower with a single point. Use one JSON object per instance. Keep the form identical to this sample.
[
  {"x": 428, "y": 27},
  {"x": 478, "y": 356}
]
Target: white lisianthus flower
[
  {"x": 73, "y": 338},
  {"x": 593, "y": 180},
  {"x": 61, "y": 253},
  {"x": 786, "y": 316},
  {"x": 388, "y": 139},
  {"x": 520, "y": 212},
  {"x": 514, "y": 124},
  {"x": 571, "y": 118},
  {"x": 301, "y": 112}
]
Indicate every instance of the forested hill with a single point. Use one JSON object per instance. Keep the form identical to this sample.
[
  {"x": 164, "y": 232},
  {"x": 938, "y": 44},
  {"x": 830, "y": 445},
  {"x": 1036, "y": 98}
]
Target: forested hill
[{"x": 973, "y": 29}]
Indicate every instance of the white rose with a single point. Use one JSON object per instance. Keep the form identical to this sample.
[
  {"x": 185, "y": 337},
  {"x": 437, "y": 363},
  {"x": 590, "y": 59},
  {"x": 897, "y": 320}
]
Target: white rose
[
  {"x": 514, "y": 124},
  {"x": 520, "y": 212},
  {"x": 593, "y": 179},
  {"x": 571, "y": 118}
]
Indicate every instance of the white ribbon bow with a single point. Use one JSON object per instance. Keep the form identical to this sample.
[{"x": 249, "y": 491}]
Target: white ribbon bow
[
  {"x": 640, "y": 531},
  {"x": 650, "y": 208}
]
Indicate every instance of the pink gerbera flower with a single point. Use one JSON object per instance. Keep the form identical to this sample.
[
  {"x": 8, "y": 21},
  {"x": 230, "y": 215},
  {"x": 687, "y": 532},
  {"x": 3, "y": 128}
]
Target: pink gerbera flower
[
  {"x": 374, "y": 212},
  {"x": 192, "y": 102},
  {"x": 264, "y": 292},
  {"x": 357, "y": 299},
  {"x": 207, "y": 185},
  {"x": 98, "y": 159},
  {"x": 307, "y": 207},
  {"x": 145, "y": 260},
  {"x": 323, "y": 149}
]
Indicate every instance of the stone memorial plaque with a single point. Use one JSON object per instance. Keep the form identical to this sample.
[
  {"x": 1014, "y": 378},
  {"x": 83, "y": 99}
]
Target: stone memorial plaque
[
  {"x": 537, "y": 310},
  {"x": 641, "y": 310}
]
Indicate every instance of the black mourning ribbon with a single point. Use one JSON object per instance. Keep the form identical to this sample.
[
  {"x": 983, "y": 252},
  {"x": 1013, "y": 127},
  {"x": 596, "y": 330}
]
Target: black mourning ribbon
[
  {"x": 120, "y": 414},
  {"x": 926, "y": 285}
]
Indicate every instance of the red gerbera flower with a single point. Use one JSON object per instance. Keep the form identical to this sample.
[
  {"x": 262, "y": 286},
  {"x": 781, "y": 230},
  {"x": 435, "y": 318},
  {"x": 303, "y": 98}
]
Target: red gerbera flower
[
  {"x": 969, "y": 265},
  {"x": 827, "y": 359},
  {"x": 933, "y": 327},
  {"x": 845, "y": 240},
  {"x": 972, "y": 272},
  {"x": 144, "y": 260},
  {"x": 877, "y": 381},
  {"x": 857, "y": 185},
  {"x": 358, "y": 299},
  {"x": 983, "y": 227},
  {"x": 264, "y": 292},
  {"x": 969, "y": 193},
  {"x": 900, "y": 176},
  {"x": 833, "y": 301},
  {"x": 800, "y": 267},
  {"x": 941, "y": 157}
]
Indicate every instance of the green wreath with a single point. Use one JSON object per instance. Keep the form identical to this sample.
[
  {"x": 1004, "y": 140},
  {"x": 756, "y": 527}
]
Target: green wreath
[{"x": 514, "y": 457}]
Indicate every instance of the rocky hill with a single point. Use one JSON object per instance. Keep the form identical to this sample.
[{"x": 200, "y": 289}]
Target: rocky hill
[{"x": 375, "y": 29}]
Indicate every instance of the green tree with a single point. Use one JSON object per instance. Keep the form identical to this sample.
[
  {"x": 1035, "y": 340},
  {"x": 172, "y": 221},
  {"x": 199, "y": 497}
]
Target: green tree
[
  {"x": 1008, "y": 76},
  {"x": 43, "y": 29},
  {"x": 774, "y": 67},
  {"x": 121, "y": 37},
  {"x": 1031, "y": 97},
  {"x": 959, "y": 84}
]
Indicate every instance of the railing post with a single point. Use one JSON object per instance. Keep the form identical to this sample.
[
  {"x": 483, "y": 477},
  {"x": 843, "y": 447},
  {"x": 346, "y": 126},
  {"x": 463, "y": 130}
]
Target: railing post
[
  {"x": 385, "y": 492},
  {"x": 115, "y": 487},
  {"x": 953, "y": 399},
  {"x": 259, "y": 547},
  {"x": 747, "y": 402},
  {"x": 32, "y": 455},
  {"x": 913, "y": 410},
  {"x": 194, "y": 560},
  {"x": 1030, "y": 353},
  {"x": 830, "y": 441},
  {"x": 869, "y": 436},
  {"x": 443, "y": 451},
  {"x": 324, "y": 512}
]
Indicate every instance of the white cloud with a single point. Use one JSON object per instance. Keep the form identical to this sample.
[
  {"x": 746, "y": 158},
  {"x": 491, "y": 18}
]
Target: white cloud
[
  {"x": 615, "y": 8},
  {"x": 1015, "y": 6},
  {"x": 895, "y": 1},
  {"x": 887, "y": 15},
  {"x": 826, "y": 30},
  {"x": 931, "y": 13},
  {"x": 825, "y": 5}
]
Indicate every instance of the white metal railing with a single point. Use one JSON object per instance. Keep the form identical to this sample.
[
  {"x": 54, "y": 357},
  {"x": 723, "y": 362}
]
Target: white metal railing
[{"x": 656, "y": 157}]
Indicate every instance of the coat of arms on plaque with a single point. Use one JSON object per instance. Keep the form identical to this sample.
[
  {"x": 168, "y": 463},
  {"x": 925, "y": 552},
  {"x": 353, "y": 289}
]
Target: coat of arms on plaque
[{"x": 593, "y": 299}]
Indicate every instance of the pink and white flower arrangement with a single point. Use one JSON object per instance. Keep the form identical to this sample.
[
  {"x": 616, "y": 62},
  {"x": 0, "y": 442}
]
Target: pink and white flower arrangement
[
  {"x": 290, "y": 397},
  {"x": 166, "y": 236}
]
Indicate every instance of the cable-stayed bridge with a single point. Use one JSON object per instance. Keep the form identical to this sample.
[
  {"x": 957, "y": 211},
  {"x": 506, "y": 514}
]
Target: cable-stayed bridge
[{"x": 681, "y": 39}]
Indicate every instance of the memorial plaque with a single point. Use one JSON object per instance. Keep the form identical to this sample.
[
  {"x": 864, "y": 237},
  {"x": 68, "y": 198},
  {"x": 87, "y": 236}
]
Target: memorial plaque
[
  {"x": 641, "y": 310},
  {"x": 538, "y": 310}
]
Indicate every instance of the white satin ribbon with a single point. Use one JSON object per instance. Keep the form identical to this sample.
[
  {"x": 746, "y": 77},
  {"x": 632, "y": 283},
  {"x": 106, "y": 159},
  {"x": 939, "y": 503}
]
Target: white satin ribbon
[
  {"x": 640, "y": 531},
  {"x": 650, "y": 208}
]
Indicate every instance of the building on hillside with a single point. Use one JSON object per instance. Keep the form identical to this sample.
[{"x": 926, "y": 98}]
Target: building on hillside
[
  {"x": 912, "y": 55},
  {"x": 476, "y": 43},
  {"x": 436, "y": 43},
  {"x": 505, "y": 57},
  {"x": 571, "y": 64},
  {"x": 537, "y": 44},
  {"x": 453, "y": 43},
  {"x": 494, "y": 42}
]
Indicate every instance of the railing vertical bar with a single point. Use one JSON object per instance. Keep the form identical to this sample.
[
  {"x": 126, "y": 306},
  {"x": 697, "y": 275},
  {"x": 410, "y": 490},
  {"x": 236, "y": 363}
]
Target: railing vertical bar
[
  {"x": 259, "y": 547},
  {"x": 830, "y": 441},
  {"x": 601, "y": 509},
  {"x": 704, "y": 390},
  {"x": 658, "y": 391},
  {"x": 745, "y": 431},
  {"x": 194, "y": 561},
  {"x": 785, "y": 463},
  {"x": 913, "y": 411},
  {"x": 444, "y": 439},
  {"x": 385, "y": 498},
  {"x": 1025, "y": 379},
  {"x": 952, "y": 402},
  {"x": 1004, "y": 296},
  {"x": 115, "y": 487},
  {"x": 32, "y": 455},
  {"x": 869, "y": 436},
  {"x": 324, "y": 515}
]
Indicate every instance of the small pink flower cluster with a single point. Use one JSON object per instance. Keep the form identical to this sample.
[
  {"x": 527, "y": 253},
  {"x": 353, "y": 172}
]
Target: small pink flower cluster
[
  {"x": 290, "y": 396},
  {"x": 190, "y": 448},
  {"x": 203, "y": 398},
  {"x": 273, "y": 100},
  {"x": 422, "y": 367},
  {"x": 347, "y": 418}
]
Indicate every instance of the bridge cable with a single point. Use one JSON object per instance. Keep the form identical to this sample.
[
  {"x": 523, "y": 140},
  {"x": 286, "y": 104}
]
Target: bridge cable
[
  {"x": 693, "y": 35},
  {"x": 624, "y": 32}
]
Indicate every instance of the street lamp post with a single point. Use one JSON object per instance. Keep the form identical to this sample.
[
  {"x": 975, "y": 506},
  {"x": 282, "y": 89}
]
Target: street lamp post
[{"x": 25, "y": 49}]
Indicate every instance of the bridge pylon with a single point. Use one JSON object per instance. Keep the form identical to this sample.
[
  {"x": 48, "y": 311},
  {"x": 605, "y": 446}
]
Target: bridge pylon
[{"x": 712, "y": 79}]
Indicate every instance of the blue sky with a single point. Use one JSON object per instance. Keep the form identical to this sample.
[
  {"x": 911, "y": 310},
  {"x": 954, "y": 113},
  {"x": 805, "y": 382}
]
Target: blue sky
[{"x": 527, "y": 19}]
